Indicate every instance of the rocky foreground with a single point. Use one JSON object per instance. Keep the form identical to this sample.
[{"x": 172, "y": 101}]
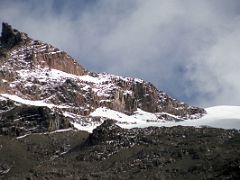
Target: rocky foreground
[{"x": 111, "y": 152}]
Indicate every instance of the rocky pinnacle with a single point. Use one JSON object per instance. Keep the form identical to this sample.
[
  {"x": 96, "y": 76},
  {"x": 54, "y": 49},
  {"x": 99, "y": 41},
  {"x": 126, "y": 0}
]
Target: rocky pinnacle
[{"x": 11, "y": 37}]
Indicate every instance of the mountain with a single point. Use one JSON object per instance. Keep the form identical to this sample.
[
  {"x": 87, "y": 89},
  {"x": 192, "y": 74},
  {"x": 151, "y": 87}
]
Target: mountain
[
  {"x": 61, "y": 121},
  {"x": 44, "y": 89}
]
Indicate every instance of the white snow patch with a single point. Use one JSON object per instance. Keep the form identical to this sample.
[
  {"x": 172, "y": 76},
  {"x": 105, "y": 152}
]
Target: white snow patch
[
  {"x": 2, "y": 98},
  {"x": 89, "y": 127},
  {"x": 68, "y": 114},
  {"x": 54, "y": 73},
  {"x": 79, "y": 124},
  {"x": 5, "y": 171},
  {"x": 144, "y": 116},
  {"x": 95, "y": 80},
  {"x": 127, "y": 92},
  {"x": 60, "y": 130},
  {"x": 44, "y": 74},
  {"x": 51, "y": 132},
  {"x": 121, "y": 118},
  {"x": 30, "y": 102},
  {"x": 20, "y": 137},
  {"x": 4, "y": 80}
]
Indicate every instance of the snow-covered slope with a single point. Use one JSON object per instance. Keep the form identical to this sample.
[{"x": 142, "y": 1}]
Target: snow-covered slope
[
  {"x": 20, "y": 100},
  {"x": 226, "y": 117}
]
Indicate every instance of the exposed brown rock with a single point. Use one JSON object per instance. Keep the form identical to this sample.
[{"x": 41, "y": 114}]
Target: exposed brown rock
[{"x": 60, "y": 61}]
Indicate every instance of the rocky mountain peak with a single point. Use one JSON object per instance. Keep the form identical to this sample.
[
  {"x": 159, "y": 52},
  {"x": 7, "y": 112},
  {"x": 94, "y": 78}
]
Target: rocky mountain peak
[
  {"x": 11, "y": 37},
  {"x": 35, "y": 73},
  {"x": 18, "y": 52}
]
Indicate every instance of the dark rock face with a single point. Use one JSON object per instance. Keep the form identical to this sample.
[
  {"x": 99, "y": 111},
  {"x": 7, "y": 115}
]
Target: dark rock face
[
  {"x": 11, "y": 37},
  {"x": 22, "y": 120},
  {"x": 105, "y": 132}
]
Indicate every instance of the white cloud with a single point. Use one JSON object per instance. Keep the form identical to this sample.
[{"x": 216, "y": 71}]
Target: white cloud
[
  {"x": 188, "y": 48},
  {"x": 216, "y": 69}
]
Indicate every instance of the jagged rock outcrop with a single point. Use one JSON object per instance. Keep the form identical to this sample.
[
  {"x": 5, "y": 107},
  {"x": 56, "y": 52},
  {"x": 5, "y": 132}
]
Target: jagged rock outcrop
[
  {"x": 37, "y": 71},
  {"x": 107, "y": 131},
  {"x": 24, "y": 52},
  {"x": 21, "y": 120},
  {"x": 11, "y": 37}
]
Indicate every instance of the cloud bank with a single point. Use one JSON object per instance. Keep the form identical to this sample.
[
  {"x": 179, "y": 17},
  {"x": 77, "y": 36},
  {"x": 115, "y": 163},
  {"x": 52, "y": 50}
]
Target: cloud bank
[{"x": 190, "y": 49}]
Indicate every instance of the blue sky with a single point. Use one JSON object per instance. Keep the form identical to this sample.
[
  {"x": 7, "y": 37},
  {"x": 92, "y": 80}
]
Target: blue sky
[{"x": 188, "y": 48}]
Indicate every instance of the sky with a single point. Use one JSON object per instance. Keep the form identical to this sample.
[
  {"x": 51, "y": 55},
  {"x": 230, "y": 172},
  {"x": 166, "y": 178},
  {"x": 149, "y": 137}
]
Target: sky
[{"x": 188, "y": 48}]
